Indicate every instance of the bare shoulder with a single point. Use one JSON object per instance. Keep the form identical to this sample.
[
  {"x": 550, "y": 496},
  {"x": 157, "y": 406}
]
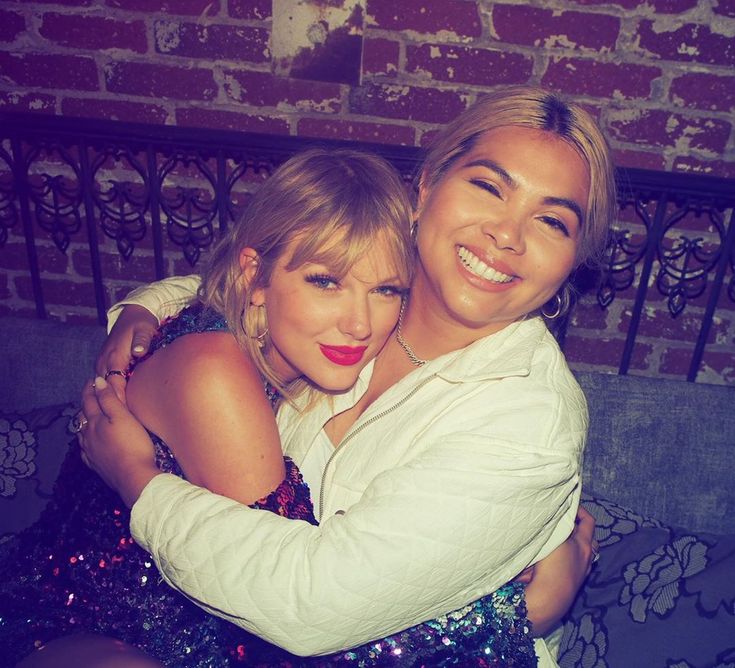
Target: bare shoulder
[
  {"x": 196, "y": 372},
  {"x": 212, "y": 362}
]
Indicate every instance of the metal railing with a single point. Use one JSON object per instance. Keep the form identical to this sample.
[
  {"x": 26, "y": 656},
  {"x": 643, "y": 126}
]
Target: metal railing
[{"x": 176, "y": 189}]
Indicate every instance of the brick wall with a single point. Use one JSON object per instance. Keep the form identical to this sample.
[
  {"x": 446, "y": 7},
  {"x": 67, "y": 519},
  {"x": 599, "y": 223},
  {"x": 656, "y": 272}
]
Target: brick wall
[{"x": 659, "y": 75}]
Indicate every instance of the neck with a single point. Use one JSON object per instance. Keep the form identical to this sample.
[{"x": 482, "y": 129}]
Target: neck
[{"x": 431, "y": 330}]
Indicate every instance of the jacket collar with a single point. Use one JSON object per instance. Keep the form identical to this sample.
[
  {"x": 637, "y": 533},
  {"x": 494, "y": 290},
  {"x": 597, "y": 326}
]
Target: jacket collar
[{"x": 508, "y": 352}]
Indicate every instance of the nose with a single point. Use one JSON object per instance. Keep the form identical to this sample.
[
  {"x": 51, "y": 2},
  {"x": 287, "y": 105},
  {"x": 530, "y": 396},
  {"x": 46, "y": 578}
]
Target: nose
[
  {"x": 507, "y": 232},
  {"x": 355, "y": 320}
]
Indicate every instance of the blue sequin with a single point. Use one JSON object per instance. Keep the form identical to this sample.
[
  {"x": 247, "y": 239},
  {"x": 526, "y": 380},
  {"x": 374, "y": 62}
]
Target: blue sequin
[{"x": 78, "y": 569}]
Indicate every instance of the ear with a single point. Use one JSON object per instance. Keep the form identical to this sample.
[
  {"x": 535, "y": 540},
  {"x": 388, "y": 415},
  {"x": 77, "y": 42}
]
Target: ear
[{"x": 249, "y": 262}]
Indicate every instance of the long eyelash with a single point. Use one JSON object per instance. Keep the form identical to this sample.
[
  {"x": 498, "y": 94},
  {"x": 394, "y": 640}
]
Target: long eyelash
[
  {"x": 555, "y": 222},
  {"x": 318, "y": 278},
  {"x": 488, "y": 187}
]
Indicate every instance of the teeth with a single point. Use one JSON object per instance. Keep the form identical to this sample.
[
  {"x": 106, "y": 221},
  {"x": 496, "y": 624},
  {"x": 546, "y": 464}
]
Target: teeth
[{"x": 479, "y": 268}]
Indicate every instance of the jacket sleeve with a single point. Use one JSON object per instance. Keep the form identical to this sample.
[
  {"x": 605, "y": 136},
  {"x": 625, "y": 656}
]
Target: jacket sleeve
[
  {"x": 163, "y": 298},
  {"x": 425, "y": 538}
]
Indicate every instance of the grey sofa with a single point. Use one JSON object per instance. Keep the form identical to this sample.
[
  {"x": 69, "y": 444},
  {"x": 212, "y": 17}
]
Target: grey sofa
[
  {"x": 658, "y": 469},
  {"x": 665, "y": 448}
]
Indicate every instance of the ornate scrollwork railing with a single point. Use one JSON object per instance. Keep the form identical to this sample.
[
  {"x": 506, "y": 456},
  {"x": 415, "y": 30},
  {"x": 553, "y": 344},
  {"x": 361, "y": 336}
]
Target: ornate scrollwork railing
[{"x": 169, "y": 192}]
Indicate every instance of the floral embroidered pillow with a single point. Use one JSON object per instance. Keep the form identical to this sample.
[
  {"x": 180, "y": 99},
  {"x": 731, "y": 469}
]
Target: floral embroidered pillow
[
  {"x": 658, "y": 597},
  {"x": 32, "y": 447}
]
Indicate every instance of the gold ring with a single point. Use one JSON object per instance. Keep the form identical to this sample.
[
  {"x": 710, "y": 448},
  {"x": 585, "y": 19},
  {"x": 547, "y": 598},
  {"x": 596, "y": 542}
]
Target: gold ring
[{"x": 115, "y": 372}]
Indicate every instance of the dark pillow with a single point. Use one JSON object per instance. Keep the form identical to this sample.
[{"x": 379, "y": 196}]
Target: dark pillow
[
  {"x": 659, "y": 597},
  {"x": 32, "y": 447}
]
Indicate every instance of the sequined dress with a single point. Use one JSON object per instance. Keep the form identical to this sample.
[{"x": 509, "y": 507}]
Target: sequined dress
[{"x": 77, "y": 569}]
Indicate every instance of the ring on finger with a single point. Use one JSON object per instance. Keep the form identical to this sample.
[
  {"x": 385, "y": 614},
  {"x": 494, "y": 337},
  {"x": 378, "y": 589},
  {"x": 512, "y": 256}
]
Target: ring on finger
[
  {"x": 115, "y": 372},
  {"x": 78, "y": 422}
]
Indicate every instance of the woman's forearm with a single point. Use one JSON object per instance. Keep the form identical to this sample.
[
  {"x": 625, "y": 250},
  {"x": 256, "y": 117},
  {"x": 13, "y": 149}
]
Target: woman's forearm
[
  {"x": 163, "y": 298},
  {"x": 390, "y": 562}
]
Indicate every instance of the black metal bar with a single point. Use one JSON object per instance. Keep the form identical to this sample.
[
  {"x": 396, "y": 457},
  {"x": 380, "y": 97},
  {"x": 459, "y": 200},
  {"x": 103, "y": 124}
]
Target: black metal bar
[
  {"x": 155, "y": 195},
  {"x": 21, "y": 181},
  {"x": 221, "y": 191},
  {"x": 714, "y": 297},
  {"x": 94, "y": 249},
  {"x": 640, "y": 297}
]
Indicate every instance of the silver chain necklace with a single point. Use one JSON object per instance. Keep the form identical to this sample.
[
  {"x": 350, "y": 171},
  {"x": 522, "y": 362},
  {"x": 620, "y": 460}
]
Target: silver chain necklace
[{"x": 415, "y": 359}]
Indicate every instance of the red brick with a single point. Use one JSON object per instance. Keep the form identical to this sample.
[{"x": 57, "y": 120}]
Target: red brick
[
  {"x": 675, "y": 361},
  {"x": 482, "y": 67},
  {"x": 653, "y": 127},
  {"x": 14, "y": 256},
  {"x": 606, "y": 80},
  {"x": 380, "y": 56},
  {"x": 11, "y": 25},
  {"x": 182, "y": 83},
  {"x": 185, "y": 7},
  {"x": 690, "y": 42},
  {"x": 717, "y": 367},
  {"x": 659, "y": 6},
  {"x": 704, "y": 91},
  {"x": 212, "y": 41},
  {"x": 249, "y": 9},
  {"x": 589, "y": 315},
  {"x": 116, "y": 110},
  {"x": 49, "y": 71},
  {"x": 56, "y": 291},
  {"x": 115, "y": 267},
  {"x": 534, "y": 26},
  {"x": 356, "y": 131},
  {"x": 18, "y": 310},
  {"x": 454, "y": 16},
  {"x": 70, "y": 3},
  {"x": 406, "y": 102},
  {"x": 36, "y": 102},
  {"x": 230, "y": 120},
  {"x": 639, "y": 159},
  {"x": 262, "y": 89},
  {"x": 691, "y": 165},
  {"x": 600, "y": 351},
  {"x": 724, "y": 8},
  {"x": 94, "y": 32},
  {"x": 50, "y": 258},
  {"x": 660, "y": 323},
  {"x": 4, "y": 291}
]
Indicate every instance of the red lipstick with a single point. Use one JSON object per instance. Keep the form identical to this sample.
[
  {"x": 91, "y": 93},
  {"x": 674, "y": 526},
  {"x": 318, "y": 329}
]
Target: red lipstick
[{"x": 343, "y": 355}]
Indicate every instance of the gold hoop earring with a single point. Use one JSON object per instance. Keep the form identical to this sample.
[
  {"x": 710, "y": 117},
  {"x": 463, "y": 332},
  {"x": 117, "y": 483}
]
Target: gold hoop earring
[
  {"x": 557, "y": 313},
  {"x": 254, "y": 323}
]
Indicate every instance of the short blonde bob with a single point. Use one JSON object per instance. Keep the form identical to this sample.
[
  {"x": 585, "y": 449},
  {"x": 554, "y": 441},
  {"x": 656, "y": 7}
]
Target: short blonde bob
[{"x": 334, "y": 204}]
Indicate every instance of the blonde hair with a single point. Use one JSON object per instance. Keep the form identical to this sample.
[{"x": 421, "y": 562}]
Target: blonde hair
[
  {"x": 531, "y": 107},
  {"x": 334, "y": 204}
]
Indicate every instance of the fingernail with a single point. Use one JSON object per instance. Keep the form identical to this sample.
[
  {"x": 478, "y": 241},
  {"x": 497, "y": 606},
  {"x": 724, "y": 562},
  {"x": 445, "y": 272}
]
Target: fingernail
[
  {"x": 138, "y": 349},
  {"x": 100, "y": 383}
]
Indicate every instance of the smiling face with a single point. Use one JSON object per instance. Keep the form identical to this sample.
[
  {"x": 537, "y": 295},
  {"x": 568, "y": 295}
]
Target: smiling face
[
  {"x": 499, "y": 231},
  {"x": 326, "y": 327}
]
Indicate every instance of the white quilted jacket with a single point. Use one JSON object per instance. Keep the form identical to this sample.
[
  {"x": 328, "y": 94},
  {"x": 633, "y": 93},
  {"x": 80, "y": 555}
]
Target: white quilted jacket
[{"x": 453, "y": 481}]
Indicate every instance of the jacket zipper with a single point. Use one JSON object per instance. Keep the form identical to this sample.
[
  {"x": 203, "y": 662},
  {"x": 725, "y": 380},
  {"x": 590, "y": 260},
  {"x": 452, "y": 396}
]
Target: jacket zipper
[{"x": 359, "y": 428}]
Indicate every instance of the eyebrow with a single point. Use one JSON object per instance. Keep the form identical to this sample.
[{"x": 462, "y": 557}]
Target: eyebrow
[{"x": 510, "y": 182}]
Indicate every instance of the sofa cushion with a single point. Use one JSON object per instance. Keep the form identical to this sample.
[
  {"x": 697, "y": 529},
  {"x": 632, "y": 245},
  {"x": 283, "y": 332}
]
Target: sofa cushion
[
  {"x": 662, "y": 447},
  {"x": 658, "y": 597},
  {"x": 32, "y": 448},
  {"x": 43, "y": 362}
]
